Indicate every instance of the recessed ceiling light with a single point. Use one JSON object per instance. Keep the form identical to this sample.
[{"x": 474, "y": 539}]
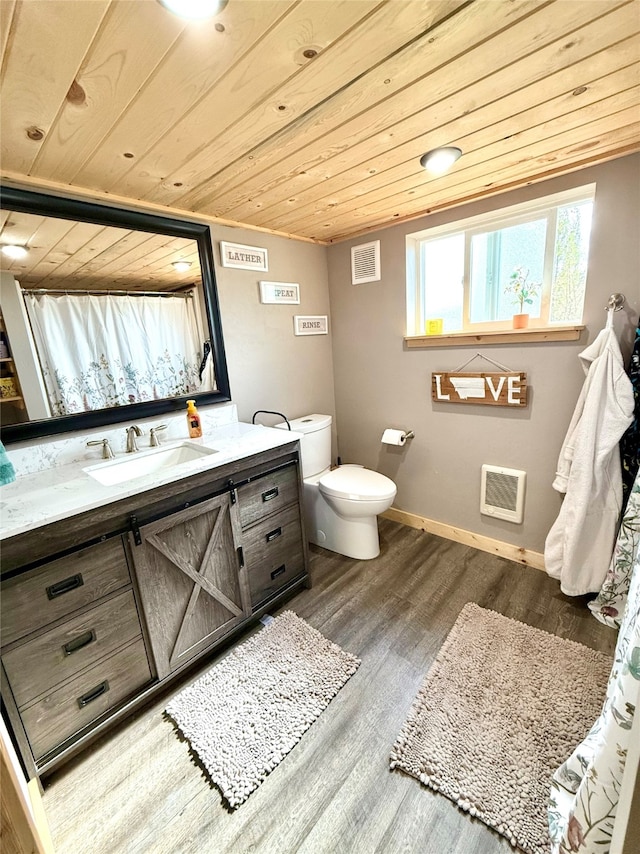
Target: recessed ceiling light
[
  {"x": 181, "y": 266},
  {"x": 195, "y": 10},
  {"x": 13, "y": 251},
  {"x": 439, "y": 160}
]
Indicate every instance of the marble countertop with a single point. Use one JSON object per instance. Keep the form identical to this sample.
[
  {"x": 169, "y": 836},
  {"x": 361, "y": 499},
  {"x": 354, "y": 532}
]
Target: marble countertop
[{"x": 38, "y": 499}]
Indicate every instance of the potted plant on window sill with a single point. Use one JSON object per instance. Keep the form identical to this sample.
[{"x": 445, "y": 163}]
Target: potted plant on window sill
[{"x": 523, "y": 292}]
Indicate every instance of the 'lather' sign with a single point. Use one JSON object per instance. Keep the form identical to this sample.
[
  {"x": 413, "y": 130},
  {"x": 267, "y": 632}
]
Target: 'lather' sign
[{"x": 495, "y": 389}]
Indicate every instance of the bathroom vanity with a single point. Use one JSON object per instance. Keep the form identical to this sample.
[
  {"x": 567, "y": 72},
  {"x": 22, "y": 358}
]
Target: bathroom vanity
[{"x": 110, "y": 595}]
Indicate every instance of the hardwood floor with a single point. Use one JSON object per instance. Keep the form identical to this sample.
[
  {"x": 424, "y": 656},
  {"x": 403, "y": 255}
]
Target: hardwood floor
[{"x": 138, "y": 791}]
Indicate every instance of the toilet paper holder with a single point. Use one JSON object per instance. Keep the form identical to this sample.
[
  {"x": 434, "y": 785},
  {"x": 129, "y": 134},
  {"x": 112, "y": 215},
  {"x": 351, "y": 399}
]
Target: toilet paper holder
[{"x": 392, "y": 436}]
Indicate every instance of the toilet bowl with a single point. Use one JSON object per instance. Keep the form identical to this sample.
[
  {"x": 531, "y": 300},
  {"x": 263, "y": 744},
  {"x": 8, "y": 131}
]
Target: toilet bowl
[
  {"x": 341, "y": 504},
  {"x": 354, "y": 491}
]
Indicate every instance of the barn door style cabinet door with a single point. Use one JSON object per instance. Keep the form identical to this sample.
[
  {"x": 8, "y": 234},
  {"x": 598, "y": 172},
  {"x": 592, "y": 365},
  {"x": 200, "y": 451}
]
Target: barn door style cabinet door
[{"x": 192, "y": 586}]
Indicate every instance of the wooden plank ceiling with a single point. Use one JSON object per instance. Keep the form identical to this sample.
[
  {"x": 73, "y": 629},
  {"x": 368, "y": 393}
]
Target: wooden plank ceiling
[{"x": 308, "y": 117}]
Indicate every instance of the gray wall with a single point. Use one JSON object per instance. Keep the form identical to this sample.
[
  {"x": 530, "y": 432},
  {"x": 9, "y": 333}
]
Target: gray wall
[
  {"x": 269, "y": 366},
  {"x": 379, "y": 383}
]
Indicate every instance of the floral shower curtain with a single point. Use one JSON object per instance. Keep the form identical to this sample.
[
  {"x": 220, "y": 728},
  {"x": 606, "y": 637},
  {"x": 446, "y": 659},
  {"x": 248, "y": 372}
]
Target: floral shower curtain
[
  {"x": 99, "y": 351},
  {"x": 611, "y": 602},
  {"x": 586, "y": 788}
]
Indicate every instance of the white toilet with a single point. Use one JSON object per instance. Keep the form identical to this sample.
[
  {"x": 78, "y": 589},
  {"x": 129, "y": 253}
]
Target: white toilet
[{"x": 341, "y": 506}]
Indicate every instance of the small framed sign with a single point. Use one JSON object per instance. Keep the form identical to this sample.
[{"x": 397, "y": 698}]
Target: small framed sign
[
  {"x": 243, "y": 257},
  {"x": 280, "y": 292},
  {"x": 316, "y": 325}
]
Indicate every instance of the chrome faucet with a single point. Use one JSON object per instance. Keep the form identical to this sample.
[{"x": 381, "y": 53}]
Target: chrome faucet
[{"x": 132, "y": 433}]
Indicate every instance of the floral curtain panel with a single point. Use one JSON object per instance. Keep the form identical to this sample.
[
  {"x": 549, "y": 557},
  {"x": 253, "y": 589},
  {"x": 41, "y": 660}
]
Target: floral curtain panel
[
  {"x": 99, "y": 351},
  {"x": 610, "y": 604},
  {"x": 586, "y": 788}
]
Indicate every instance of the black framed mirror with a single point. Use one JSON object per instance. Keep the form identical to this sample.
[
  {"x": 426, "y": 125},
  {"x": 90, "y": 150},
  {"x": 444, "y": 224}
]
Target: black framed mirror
[{"x": 78, "y": 248}]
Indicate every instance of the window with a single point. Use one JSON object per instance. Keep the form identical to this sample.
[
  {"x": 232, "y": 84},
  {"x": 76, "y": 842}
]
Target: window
[{"x": 475, "y": 274}]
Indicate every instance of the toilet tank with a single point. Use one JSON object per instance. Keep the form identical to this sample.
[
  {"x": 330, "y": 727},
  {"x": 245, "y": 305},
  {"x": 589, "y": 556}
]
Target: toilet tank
[{"x": 315, "y": 443}]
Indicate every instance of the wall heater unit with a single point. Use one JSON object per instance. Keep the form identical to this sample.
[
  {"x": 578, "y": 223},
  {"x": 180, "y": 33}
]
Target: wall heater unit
[
  {"x": 365, "y": 263},
  {"x": 502, "y": 493}
]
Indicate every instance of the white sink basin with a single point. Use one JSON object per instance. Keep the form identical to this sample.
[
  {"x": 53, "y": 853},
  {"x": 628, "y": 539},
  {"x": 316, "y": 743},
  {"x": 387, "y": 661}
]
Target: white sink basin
[{"x": 146, "y": 462}]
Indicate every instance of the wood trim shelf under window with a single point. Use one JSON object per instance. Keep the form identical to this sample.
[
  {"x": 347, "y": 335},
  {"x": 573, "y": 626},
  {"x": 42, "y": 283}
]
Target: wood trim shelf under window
[{"x": 504, "y": 336}]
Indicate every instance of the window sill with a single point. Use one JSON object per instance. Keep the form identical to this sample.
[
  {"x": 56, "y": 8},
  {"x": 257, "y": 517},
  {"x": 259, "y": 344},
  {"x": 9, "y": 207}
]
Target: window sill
[{"x": 506, "y": 336}]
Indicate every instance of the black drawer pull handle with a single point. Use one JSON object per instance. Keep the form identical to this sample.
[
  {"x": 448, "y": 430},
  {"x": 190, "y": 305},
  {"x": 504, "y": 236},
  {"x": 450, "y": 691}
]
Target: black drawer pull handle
[
  {"x": 278, "y": 571},
  {"x": 270, "y": 493},
  {"x": 65, "y": 586},
  {"x": 79, "y": 643},
  {"x": 92, "y": 695},
  {"x": 273, "y": 535}
]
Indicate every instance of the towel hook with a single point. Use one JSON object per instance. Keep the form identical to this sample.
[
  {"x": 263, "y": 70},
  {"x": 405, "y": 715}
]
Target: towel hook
[{"x": 615, "y": 302}]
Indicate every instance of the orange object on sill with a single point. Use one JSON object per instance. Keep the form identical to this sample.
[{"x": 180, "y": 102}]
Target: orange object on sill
[{"x": 520, "y": 321}]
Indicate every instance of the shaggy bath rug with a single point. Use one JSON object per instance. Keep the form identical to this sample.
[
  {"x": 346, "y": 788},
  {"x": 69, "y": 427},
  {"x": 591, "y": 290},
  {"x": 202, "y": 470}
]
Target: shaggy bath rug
[
  {"x": 244, "y": 715},
  {"x": 501, "y": 708}
]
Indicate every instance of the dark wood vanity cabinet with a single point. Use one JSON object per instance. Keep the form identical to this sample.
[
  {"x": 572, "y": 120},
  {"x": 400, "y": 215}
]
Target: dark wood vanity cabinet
[{"x": 148, "y": 585}]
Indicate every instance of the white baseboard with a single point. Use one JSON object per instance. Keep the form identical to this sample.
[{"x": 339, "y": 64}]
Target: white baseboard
[{"x": 468, "y": 538}]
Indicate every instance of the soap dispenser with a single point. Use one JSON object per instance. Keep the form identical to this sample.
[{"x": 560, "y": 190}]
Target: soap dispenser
[{"x": 193, "y": 420}]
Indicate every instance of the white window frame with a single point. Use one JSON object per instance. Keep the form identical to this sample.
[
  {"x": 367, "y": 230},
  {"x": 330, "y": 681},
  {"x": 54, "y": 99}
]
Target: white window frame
[{"x": 495, "y": 220}]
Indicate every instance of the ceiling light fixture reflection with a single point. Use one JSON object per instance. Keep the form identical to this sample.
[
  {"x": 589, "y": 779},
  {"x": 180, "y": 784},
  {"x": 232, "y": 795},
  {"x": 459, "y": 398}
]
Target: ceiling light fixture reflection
[
  {"x": 439, "y": 160},
  {"x": 194, "y": 10},
  {"x": 13, "y": 251},
  {"x": 181, "y": 266}
]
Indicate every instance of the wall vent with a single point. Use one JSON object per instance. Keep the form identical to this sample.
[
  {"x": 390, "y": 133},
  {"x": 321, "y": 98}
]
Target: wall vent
[
  {"x": 502, "y": 493},
  {"x": 365, "y": 263}
]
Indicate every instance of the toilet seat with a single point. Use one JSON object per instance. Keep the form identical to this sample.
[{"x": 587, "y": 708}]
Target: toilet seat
[{"x": 357, "y": 484}]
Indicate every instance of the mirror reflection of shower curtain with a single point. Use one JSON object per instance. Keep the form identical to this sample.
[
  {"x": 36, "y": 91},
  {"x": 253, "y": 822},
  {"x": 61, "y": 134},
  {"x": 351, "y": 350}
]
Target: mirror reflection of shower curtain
[{"x": 100, "y": 351}]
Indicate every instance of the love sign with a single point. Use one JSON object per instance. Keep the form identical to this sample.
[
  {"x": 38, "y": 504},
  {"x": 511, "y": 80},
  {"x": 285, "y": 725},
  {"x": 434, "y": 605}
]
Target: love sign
[{"x": 492, "y": 389}]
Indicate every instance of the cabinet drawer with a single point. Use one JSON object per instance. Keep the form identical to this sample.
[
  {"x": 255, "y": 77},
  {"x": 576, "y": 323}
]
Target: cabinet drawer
[
  {"x": 37, "y": 666},
  {"x": 38, "y": 597},
  {"x": 273, "y": 554},
  {"x": 81, "y": 700},
  {"x": 267, "y": 495}
]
